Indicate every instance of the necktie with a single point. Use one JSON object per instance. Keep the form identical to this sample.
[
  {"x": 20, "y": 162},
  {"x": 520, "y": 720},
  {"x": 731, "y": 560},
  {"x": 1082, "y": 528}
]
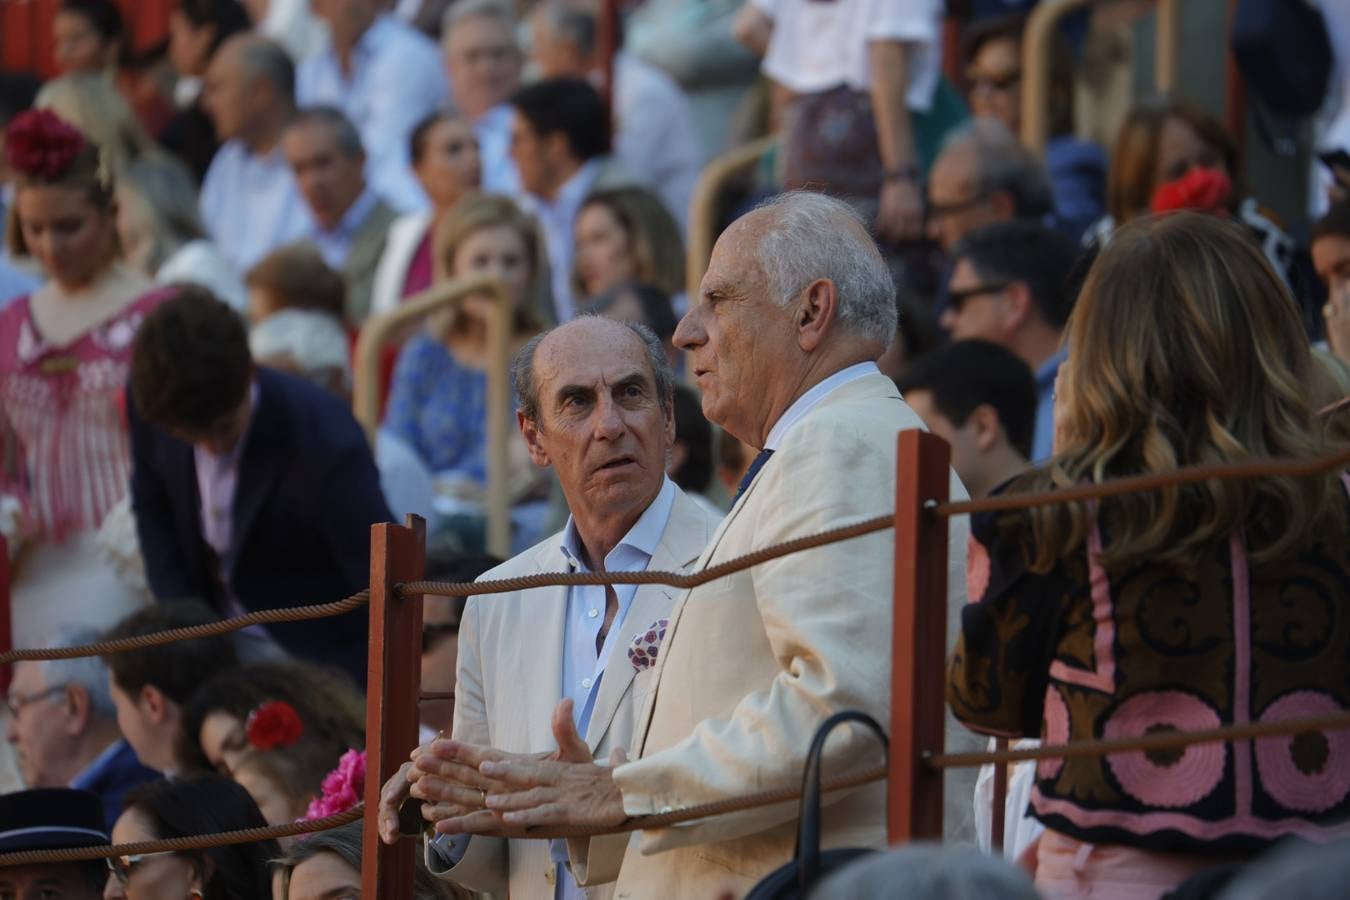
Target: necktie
[{"x": 751, "y": 472}]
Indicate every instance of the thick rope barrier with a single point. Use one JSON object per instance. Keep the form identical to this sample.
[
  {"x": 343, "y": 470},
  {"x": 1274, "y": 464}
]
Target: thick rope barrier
[
  {"x": 182, "y": 844},
  {"x": 224, "y": 626}
]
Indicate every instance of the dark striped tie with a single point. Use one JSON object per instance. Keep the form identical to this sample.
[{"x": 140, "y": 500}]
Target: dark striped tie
[{"x": 751, "y": 472}]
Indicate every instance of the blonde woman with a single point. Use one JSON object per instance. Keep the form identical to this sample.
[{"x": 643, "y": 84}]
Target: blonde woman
[
  {"x": 162, "y": 233},
  {"x": 438, "y": 398},
  {"x": 1183, "y": 608},
  {"x": 626, "y": 235},
  {"x": 94, "y": 105}
]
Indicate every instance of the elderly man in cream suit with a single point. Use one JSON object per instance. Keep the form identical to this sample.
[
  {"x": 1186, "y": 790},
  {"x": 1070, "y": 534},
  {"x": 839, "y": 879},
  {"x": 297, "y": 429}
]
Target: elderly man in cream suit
[
  {"x": 794, "y": 308},
  {"x": 595, "y": 403}
]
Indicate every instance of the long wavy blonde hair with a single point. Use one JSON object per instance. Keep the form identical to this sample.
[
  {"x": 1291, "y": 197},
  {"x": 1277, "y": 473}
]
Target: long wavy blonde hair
[{"x": 1185, "y": 348}]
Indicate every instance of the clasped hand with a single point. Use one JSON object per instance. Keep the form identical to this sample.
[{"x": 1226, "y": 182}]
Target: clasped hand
[{"x": 467, "y": 789}]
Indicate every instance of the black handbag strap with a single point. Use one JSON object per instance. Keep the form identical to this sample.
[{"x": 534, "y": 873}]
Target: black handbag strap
[{"x": 808, "y": 828}]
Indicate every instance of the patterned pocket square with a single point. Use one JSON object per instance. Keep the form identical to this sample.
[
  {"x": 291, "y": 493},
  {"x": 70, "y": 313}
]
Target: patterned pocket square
[{"x": 642, "y": 652}]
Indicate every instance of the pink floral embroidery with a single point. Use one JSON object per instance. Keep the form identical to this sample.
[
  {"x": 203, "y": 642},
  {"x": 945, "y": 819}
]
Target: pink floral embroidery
[
  {"x": 1174, "y": 782},
  {"x": 1301, "y": 784},
  {"x": 977, "y": 570},
  {"x": 643, "y": 651}
]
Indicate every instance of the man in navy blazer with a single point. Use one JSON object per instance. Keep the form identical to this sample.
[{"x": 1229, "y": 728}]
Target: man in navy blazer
[{"x": 251, "y": 488}]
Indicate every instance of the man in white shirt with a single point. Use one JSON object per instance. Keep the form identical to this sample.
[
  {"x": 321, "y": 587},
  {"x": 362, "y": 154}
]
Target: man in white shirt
[
  {"x": 595, "y": 401},
  {"x": 249, "y": 200},
  {"x": 654, "y": 132},
  {"x": 351, "y": 222},
  {"x": 796, "y": 304},
  {"x": 386, "y": 77},
  {"x": 560, "y": 138},
  {"x": 484, "y": 62}
]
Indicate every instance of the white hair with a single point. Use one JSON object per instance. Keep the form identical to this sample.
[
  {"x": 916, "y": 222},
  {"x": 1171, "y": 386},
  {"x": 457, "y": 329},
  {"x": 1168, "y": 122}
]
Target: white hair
[
  {"x": 315, "y": 341},
  {"x": 931, "y": 871},
  {"x": 814, "y": 236},
  {"x": 88, "y": 672},
  {"x": 461, "y": 10}
]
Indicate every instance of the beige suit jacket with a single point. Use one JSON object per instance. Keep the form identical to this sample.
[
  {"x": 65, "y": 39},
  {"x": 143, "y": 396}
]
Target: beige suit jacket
[
  {"x": 753, "y": 663},
  {"x": 510, "y": 679}
]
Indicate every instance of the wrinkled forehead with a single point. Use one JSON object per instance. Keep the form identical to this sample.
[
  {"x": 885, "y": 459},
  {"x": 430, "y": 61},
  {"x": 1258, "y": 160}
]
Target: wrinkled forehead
[
  {"x": 589, "y": 352},
  {"x": 735, "y": 256}
]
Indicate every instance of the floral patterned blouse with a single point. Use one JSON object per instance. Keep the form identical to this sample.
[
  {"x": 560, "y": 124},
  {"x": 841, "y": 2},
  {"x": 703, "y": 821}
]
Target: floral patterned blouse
[
  {"x": 439, "y": 408},
  {"x": 63, "y": 438}
]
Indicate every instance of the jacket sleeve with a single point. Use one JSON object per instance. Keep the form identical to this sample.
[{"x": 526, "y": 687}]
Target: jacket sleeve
[{"x": 161, "y": 538}]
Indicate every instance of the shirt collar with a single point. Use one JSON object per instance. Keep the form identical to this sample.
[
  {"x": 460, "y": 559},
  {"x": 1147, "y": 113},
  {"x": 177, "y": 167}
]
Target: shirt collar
[
  {"x": 1046, "y": 371},
  {"x": 806, "y": 402},
  {"x": 354, "y": 218},
  {"x": 574, "y": 189},
  {"x": 644, "y": 536},
  {"x": 95, "y": 768}
]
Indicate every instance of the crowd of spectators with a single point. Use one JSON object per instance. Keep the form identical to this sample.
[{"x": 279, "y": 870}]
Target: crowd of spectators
[{"x": 198, "y": 234}]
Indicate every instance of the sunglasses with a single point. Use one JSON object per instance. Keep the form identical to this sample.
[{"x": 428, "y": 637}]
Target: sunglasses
[
  {"x": 434, "y": 631},
  {"x": 994, "y": 82},
  {"x": 122, "y": 867},
  {"x": 957, "y": 298}
]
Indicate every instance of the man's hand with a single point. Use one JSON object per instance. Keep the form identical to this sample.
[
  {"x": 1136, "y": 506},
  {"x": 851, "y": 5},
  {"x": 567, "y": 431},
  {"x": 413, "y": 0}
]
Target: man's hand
[
  {"x": 561, "y": 788},
  {"x": 900, "y": 214}
]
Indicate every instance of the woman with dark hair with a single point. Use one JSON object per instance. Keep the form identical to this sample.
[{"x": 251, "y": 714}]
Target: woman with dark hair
[
  {"x": 214, "y": 724},
  {"x": 1177, "y": 609},
  {"x": 90, "y": 36},
  {"x": 175, "y": 809},
  {"x": 197, "y": 28}
]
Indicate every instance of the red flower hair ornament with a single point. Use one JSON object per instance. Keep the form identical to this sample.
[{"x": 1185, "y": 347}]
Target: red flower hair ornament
[
  {"x": 40, "y": 144},
  {"x": 1200, "y": 189},
  {"x": 273, "y": 725}
]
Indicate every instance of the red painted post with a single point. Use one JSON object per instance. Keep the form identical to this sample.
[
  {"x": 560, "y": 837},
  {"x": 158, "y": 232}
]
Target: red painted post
[
  {"x": 919, "y": 639},
  {"x": 394, "y": 675}
]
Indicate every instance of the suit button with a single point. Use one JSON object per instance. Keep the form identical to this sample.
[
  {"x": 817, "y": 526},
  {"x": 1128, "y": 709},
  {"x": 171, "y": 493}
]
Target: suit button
[{"x": 551, "y": 876}]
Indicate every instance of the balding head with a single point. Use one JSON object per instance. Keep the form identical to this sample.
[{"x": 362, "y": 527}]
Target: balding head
[
  {"x": 249, "y": 88},
  {"x": 795, "y": 291},
  {"x": 984, "y": 175},
  {"x": 595, "y": 404}
]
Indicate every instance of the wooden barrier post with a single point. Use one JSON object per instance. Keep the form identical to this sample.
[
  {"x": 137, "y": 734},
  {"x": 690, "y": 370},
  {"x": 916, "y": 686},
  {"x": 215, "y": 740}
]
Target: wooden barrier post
[
  {"x": 397, "y": 554},
  {"x": 919, "y": 639}
]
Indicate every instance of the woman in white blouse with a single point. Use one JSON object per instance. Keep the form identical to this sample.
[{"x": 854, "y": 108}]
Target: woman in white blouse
[{"x": 162, "y": 233}]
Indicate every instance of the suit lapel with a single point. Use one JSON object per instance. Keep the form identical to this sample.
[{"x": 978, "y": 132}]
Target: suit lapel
[
  {"x": 543, "y": 620},
  {"x": 261, "y": 462}
]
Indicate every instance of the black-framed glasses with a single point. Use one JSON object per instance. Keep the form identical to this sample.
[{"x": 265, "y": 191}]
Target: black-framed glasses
[
  {"x": 956, "y": 298},
  {"x": 16, "y": 703},
  {"x": 995, "y": 82},
  {"x": 123, "y": 866},
  {"x": 432, "y": 632}
]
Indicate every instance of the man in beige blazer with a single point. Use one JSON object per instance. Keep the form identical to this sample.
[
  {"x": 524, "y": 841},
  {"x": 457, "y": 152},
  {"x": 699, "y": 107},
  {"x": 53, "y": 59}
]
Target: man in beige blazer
[
  {"x": 591, "y": 393},
  {"x": 795, "y": 306}
]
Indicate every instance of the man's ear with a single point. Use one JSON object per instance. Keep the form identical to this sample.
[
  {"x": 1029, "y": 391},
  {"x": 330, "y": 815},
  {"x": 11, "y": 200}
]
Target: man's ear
[
  {"x": 816, "y": 312},
  {"x": 529, "y": 430},
  {"x": 77, "y": 707},
  {"x": 987, "y": 427},
  {"x": 1018, "y": 306},
  {"x": 153, "y": 704}
]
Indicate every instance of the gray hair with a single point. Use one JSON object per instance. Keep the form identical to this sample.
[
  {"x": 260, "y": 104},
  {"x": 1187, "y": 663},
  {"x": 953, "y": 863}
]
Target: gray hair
[
  {"x": 88, "y": 672},
  {"x": 931, "y": 871},
  {"x": 261, "y": 57},
  {"x": 814, "y": 236},
  {"x": 1003, "y": 164},
  {"x": 166, "y": 191},
  {"x": 1298, "y": 870},
  {"x": 527, "y": 391},
  {"x": 314, "y": 340},
  {"x": 462, "y": 10},
  {"x": 336, "y": 121},
  {"x": 571, "y": 22}
]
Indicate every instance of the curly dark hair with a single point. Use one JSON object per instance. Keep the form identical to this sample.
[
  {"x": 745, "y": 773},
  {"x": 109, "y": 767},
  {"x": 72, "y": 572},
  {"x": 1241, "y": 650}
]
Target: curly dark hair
[{"x": 190, "y": 364}]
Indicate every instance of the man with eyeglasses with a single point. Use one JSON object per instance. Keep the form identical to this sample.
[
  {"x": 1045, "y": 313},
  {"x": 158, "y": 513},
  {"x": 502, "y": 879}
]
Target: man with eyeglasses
[
  {"x": 63, "y": 727},
  {"x": 983, "y": 175},
  {"x": 44, "y": 819}
]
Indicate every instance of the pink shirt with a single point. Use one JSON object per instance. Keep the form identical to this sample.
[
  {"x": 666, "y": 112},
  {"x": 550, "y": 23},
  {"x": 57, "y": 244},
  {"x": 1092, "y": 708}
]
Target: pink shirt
[{"x": 217, "y": 479}]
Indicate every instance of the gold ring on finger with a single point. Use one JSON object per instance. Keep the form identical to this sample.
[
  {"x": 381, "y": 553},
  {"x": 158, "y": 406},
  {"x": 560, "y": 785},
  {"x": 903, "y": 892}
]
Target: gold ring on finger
[{"x": 483, "y": 797}]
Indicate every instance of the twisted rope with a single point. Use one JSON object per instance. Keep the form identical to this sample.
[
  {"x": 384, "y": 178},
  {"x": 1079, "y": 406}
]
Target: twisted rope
[
  {"x": 182, "y": 844},
  {"x": 224, "y": 626}
]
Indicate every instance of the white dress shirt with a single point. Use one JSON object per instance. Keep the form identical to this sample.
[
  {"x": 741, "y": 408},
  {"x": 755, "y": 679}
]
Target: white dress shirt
[
  {"x": 808, "y": 401},
  {"x": 334, "y": 245},
  {"x": 818, "y": 46},
  {"x": 655, "y": 134},
  {"x": 557, "y": 218},
  {"x": 396, "y": 80},
  {"x": 251, "y": 205},
  {"x": 493, "y": 130},
  {"x": 583, "y": 666}
]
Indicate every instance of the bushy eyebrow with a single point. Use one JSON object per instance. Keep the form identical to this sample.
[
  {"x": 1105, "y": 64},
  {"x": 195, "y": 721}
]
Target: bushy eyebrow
[{"x": 585, "y": 391}]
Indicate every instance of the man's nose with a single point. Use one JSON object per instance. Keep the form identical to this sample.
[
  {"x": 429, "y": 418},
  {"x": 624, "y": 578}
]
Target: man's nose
[
  {"x": 689, "y": 333},
  {"x": 609, "y": 423}
]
